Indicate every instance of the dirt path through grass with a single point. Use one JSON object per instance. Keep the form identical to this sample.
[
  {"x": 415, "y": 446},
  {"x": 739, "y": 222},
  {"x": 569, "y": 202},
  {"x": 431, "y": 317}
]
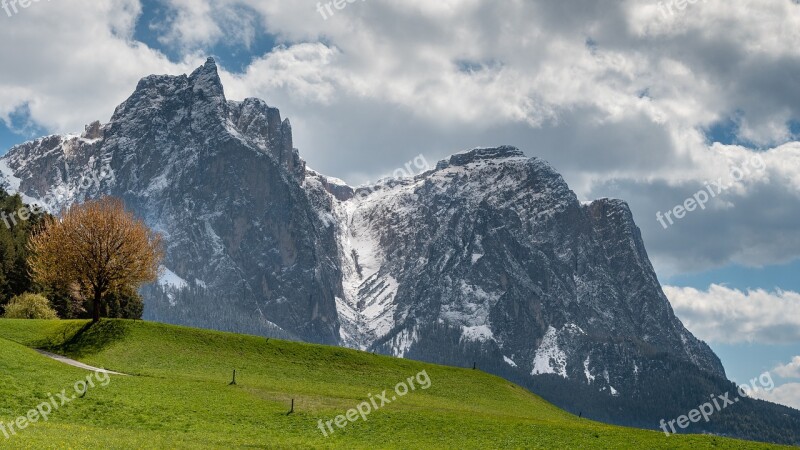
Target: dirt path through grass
[{"x": 78, "y": 364}]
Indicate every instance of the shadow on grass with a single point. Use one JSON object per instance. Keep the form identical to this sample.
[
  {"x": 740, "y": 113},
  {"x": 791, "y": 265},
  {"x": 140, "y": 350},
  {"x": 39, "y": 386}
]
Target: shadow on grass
[{"x": 86, "y": 339}]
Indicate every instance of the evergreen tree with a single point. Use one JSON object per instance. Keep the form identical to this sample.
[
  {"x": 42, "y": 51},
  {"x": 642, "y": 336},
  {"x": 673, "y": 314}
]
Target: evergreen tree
[{"x": 17, "y": 222}]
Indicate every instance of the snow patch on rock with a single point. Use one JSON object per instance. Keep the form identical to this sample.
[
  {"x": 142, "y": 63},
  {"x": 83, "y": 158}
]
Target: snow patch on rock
[
  {"x": 549, "y": 358},
  {"x": 480, "y": 333},
  {"x": 168, "y": 278},
  {"x": 587, "y": 372}
]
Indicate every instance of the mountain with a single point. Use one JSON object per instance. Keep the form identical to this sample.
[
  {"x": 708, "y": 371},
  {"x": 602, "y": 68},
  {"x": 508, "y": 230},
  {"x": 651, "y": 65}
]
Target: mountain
[
  {"x": 487, "y": 258},
  {"x": 223, "y": 184}
]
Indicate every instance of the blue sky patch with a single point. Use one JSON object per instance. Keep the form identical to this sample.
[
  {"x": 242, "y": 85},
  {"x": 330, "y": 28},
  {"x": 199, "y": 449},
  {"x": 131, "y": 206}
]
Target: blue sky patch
[
  {"x": 725, "y": 132},
  {"x": 234, "y": 55},
  {"x": 742, "y": 278},
  {"x": 18, "y": 129}
]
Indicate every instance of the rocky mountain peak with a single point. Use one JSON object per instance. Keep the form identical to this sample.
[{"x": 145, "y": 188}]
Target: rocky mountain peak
[
  {"x": 205, "y": 79},
  {"x": 481, "y": 154},
  {"x": 262, "y": 125},
  {"x": 93, "y": 131},
  {"x": 199, "y": 96}
]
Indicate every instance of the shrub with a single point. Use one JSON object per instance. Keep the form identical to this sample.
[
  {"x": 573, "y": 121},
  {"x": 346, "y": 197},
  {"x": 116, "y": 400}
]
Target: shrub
[
  {"x": 29, "y": 306},
  {"x": 124, "y": 304}
]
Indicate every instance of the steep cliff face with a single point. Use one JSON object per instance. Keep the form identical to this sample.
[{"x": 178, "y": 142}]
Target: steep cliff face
[{"x": 487, "y": 257}]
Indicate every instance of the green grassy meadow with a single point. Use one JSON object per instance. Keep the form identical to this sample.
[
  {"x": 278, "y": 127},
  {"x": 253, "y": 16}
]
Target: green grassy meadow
[{"x": 178, "y": 396}]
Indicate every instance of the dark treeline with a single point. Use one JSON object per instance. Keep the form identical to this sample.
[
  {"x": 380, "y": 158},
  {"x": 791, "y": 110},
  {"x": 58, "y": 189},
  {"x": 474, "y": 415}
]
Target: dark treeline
[
  {"x": 199, "y": 307},
  {"x": 15, "y": 278}
]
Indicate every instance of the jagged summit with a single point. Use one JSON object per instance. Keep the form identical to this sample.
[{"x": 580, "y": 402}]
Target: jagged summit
[
  {"x": 480, "y": 154},
  {"x": 206, "y": 77},
  {"x": 504, "y": 151},
  {"x": 210, "y": 64},
  {"x": 202, "y": 89}
]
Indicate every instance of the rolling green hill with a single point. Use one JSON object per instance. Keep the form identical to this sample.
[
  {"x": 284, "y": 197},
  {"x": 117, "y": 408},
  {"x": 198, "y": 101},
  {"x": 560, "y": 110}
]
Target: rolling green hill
[{"x": 178, "y": 396}]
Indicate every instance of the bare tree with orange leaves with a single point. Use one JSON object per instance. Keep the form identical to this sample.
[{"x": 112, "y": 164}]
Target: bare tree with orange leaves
[{"x": 94, "y": 249}]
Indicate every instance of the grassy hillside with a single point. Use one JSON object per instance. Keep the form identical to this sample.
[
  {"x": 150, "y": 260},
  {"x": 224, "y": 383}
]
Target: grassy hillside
[{"x": 178, "y": 396}]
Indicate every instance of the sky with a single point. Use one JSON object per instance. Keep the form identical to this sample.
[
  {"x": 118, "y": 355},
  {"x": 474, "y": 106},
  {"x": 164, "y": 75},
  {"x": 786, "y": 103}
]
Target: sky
[{"x": 691, "y": 115}]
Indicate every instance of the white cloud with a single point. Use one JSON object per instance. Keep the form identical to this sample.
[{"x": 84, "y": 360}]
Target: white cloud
[
  {"x": 192, "y": 26},
  {"x": 790, "y": 370},
  {"x": 730, "y": 316},
  {"x": 787, "y": 394},
  {"x": 307, "y": 71}
]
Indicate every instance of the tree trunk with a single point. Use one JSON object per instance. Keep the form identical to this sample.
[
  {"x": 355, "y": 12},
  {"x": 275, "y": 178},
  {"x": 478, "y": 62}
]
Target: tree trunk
[{"x": 98, "y": 296}]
